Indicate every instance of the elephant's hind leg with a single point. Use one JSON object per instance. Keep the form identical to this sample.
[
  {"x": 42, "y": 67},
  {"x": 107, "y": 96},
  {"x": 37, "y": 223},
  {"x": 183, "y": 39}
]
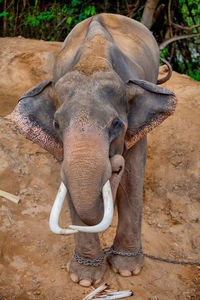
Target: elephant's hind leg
[{"x": 129, "y": 203}]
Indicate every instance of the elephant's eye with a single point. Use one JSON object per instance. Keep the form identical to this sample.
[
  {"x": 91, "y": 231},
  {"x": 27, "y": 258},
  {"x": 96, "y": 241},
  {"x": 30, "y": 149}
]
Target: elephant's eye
[
  {"x": 115, "y": 128},
  {"x": 117, "y": 123},
  {"x": 56, "y": 124}
]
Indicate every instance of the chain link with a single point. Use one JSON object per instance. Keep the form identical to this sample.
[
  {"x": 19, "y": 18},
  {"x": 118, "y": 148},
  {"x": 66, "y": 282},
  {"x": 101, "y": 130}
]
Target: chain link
[
  {"x": 100, "y": 260},
  {"x": 122, "y": 253},
  {"x": 110, "y": 250},
  {"x": 172, "y": 261},
  {"x": 89, "y": 262}
]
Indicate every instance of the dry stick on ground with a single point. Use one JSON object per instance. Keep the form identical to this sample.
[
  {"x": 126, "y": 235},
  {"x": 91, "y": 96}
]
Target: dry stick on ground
[
  {"x": 9, "y": 196},
  {"x": 109, "y": 294},
  {"x": 96, "y": 291},
  {"x": 114, "y": 295}
]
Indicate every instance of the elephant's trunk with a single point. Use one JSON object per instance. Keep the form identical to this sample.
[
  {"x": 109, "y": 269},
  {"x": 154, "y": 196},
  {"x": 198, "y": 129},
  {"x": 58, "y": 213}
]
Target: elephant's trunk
[{"x": 86, "y": 168}]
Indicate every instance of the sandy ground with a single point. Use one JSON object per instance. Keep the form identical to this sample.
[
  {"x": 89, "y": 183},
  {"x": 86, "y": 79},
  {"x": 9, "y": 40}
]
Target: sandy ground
[{"x": 32, "y": 259}]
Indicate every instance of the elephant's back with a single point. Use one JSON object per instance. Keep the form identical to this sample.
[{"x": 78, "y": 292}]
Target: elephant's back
[
  {"x": 127, "y": 32},
  {"x": 130, "y": 36},
  {"x": 135, "y": 41}
]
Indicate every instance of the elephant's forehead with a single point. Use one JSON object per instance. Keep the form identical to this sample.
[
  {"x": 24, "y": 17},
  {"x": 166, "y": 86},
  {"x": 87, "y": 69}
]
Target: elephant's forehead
[
  {"x": 86, "y": 112},
  {"x": 101, "y": 84}
]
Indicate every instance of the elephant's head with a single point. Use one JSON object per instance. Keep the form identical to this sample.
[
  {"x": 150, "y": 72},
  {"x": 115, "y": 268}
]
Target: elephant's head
[{"x": 88, "y": 122}]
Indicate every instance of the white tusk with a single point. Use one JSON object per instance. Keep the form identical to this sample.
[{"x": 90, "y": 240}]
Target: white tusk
[
  {"x": 55, "y": 212},
  {"x": 57, "y": 206},
  {"x": 108, "y": 213}
]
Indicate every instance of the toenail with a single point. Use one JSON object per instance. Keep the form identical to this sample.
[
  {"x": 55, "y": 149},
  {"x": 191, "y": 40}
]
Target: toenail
[
  {"x": 74, "y": 277},
  {"x": 68, "y": 264},
  {"x": 125, "y": 273},
  {"x": 85, "y": 282},
  {"x": 114, "y": 269},
  {"x": 137, "y": 270}
]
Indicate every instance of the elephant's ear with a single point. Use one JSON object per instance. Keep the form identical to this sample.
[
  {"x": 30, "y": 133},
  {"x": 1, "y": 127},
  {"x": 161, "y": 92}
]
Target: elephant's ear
[
  {"x": 149, "y": 107},
  {"x": 34, "y": 116}
]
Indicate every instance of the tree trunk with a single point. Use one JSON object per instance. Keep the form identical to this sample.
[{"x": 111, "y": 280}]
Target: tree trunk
[
  {"x": 4, "y": 19},
  {"x": 149, "y": 9}
]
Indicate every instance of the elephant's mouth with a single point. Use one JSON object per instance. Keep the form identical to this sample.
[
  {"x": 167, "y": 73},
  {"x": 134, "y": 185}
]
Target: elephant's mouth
[{"x": 108, "y": 192}]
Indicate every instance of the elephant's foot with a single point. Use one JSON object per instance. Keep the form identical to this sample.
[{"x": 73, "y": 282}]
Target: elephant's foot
[
  {"x": 85, "y": 275},
  {"x": 125, "y": 265}
]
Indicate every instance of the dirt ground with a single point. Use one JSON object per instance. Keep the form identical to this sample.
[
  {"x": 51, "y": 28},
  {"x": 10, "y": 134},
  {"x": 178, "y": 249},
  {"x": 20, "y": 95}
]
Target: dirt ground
[{"x": 32, "y": 259}]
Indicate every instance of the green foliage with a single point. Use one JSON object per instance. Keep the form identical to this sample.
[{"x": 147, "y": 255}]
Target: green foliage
[
  {"x": 191, "y": 54},
  {"x": 164, "y": 52},
  {"x": 45, "y": 20},
  {"x": 194, "y": 73},
  {"x": 69, "y": 20},
  {"x": 3, "y": 14},
  {"x": 190, "y": 11},
  {"x": 184, "y": 54}
]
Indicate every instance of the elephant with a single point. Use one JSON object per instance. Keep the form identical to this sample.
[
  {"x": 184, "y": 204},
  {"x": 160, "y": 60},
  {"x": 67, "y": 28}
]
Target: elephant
[{"x": 94, "y": 116}]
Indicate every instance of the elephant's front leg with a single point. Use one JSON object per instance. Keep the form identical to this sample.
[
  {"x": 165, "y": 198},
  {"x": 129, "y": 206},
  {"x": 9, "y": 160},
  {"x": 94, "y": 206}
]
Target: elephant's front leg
[
  {"x": 88, "y": 265},
  {"x": 129, "y": 203}
]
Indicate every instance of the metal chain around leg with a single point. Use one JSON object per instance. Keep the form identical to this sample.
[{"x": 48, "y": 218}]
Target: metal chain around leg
[
  {"x": 110, "y": 250},
  {"x": 123, "y": 253},
  {"x": 89, "y": 262}
]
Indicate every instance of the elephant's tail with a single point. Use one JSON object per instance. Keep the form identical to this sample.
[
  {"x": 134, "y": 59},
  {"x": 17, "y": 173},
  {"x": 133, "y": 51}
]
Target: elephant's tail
[{"x": 169, "y": 74}]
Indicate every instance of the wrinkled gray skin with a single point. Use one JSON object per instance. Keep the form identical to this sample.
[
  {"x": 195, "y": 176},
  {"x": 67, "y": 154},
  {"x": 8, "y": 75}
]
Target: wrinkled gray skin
[{"x": 98, "y": 108}]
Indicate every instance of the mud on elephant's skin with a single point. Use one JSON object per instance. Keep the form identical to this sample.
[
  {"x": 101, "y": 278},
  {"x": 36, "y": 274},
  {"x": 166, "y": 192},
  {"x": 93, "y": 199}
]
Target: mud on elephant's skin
[{"x": 93, "y": 115}]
